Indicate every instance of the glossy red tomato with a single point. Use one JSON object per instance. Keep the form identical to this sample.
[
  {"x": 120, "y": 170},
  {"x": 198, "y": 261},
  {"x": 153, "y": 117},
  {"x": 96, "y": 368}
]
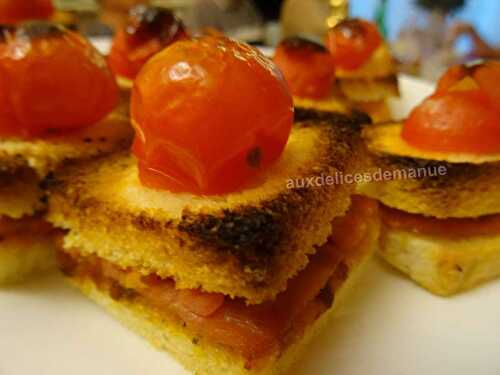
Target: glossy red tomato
[
  {"x": 452, "y": 76},
  {"x": 488, "y": 77},
  {"x": 14, "y": 11},
  {"x": 210, "y": 113},
  {"x": 52, "y": 80},
  {"x": 148, "y": 31},
  {"x": 352, "y": 43},
  {"x": 307, "y": 66},
  {"x": 484, "y": 76},
  {"x": 456, "y": 121}
]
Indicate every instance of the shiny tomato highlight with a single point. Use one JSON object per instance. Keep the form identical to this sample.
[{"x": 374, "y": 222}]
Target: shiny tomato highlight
[
  {"x": 352, "y": 43},
  {"x": 52, "y": 80},
  {"x": 148, "y": 31},
  {"x": 14, "y": 11},
  {"x": 457, "y": 121},
  {"x": 307, "y": 66},
  {"x": 210, "y": 113}
]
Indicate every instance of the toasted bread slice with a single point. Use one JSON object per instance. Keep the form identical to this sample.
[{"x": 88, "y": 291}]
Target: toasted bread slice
[
  {"x": 24, "y": 255},
  {"x": 204, "y": 358},
  {"x": 333, "y": 103},
  {"x": 379, "y": 111},
  {"x": 45, "y": 155},
  {"x": 367, "y": 90},
  {"x": 430, "y": 184},
  {"x": 20, "y": 194},
  {"x": 381, "y": 64},
  {"x": 385, "y": 139},
  {"x": 245, "y": 244},
  {"x": 125, "y": 84},
  {"x": 443, "y": 266}
]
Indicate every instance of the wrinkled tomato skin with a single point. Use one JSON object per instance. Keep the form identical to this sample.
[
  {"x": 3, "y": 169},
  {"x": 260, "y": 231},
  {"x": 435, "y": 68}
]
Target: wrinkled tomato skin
[
  {"x": 307, "y": 67},
  {"x": 14, "y": 11},
  {"x": 458, "y": 121},
  {"x": 210, "y": 114},
  {"x": 53, "y": 83},
  {"x": 148, "y": 31},
  {"x": 127, "y": 60},
  {"x": 352, "y": 43}
]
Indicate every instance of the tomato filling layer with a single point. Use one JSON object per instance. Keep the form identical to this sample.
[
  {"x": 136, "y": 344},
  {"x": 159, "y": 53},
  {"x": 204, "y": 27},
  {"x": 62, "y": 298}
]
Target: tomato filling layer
[
  {"x": 29, "y": 225},
  {"x": 451, "y": 227},
  {"x": 252, "y": 331}
]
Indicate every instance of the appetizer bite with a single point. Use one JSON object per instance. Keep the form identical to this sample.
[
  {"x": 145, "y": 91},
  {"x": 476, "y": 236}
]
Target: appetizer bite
[
  {"x": 365, "y": 68},
  {"x": 441, "y": 222},
  {"x": 309, "y": 70},
  {"x": 212, "y": 242},
  {"x": 149, "y": 29},
  {"x": 15, "y": 11},
  {"x": 55, "y": 96}
]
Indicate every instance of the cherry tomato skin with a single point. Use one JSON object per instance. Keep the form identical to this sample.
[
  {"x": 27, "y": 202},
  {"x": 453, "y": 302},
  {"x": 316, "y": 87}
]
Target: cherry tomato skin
[
  {"x": 149, "y": 30},
  {"x": 488, "y": 77},
  {"x": 352, "y": 43},
  {"x": 457, "y": 121},
  {"x": 308, "y": 68},
  {"x": 210, "y": 113},
  {"x": 55, "y": 82},
  {"x": 14, "y": 11},
  {"x": 452, "y": 76}
]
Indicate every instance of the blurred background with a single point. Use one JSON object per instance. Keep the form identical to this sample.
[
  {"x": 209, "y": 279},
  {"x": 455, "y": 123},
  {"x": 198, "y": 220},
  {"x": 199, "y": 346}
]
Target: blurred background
[{"x": 426, "y": 36}]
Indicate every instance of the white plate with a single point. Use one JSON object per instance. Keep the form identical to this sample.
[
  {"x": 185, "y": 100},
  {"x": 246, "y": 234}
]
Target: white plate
[{"x": 388, "y": 326}]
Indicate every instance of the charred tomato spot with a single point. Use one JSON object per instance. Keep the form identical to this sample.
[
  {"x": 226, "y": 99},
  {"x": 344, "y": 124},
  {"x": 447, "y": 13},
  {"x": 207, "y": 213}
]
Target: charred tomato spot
[
  {"x": 147, "y": 22},
  {"x": 254, "y": 157}
]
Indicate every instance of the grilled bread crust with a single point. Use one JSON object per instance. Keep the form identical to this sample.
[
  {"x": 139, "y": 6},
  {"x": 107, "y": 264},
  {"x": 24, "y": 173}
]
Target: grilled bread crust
[
  {"x": 464, "y": 191},
  {"x": 20, "y": 194},
  {"x": 381, "y": 64},
  {"x": 46, "y": 155},
  {"x": 202, "y": 357},
  {"x": 379, "y": 111},
  {"x": 24, "y": 255},
  {"x": 367, "y": 90},
  {"x": 245, "y": 244},
  {"x": 441, "y": 265},
  {"x": 461, "y": 190}
]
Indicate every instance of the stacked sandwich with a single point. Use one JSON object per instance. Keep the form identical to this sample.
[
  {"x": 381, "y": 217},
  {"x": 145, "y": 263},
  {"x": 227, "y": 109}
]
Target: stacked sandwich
[
  {"x": 222, "y": 241},
  {"x": 441, "y": 222},
  {"x": 355, "y": 71},
  {"x": 56, "y": 94}
]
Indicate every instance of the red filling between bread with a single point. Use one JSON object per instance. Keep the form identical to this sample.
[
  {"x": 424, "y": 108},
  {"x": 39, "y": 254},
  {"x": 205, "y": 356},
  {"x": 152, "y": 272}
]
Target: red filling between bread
[
  {"x": 29, "y": 225},
  {"x": 450, "y": 227},
  {"x": 252, "y": 331}
]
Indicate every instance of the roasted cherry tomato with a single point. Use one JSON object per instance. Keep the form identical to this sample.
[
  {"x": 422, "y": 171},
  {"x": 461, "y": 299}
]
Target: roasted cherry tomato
[
  {"x": 487, "y": 75},
  {"x": 307, "y": 66},
  {"x": 352, "y": 43},
  {"x": 51, "y": 80},
  {"x": 210, "y": 114},
  {"x": 456, "y": 121},
  {"x": 484, "y": 76},
  {"x": 148, "y": 31},
  {"x": 452, "y": 76},
  {"x": 14, "y": 11}
]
